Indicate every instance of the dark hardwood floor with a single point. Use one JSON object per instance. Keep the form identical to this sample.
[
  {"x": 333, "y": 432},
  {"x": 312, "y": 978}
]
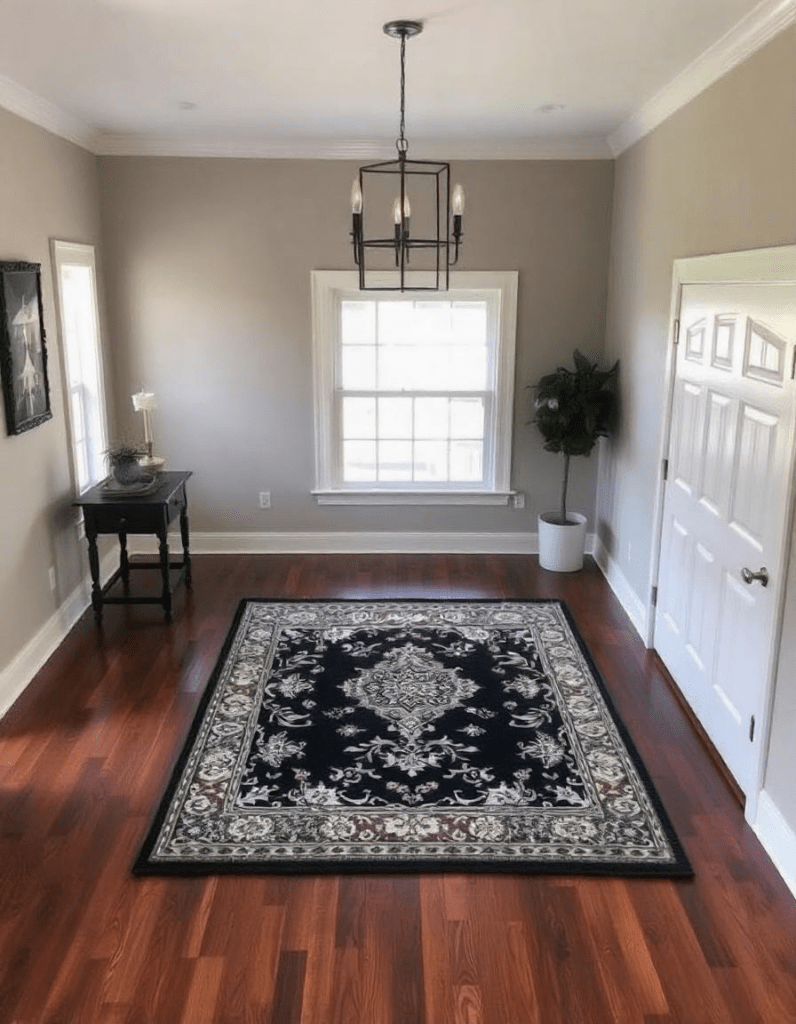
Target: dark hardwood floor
[{"x": 87, "y": 749}]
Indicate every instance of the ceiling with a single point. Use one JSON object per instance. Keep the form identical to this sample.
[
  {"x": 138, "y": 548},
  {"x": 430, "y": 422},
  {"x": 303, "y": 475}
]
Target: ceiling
[{"x": 319, "y": 77}]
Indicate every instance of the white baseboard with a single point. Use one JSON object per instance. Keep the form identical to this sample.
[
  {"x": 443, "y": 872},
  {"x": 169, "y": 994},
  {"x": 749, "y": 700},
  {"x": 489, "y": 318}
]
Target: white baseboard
[
  {"x": 619, "y": 583},
  {"x": 330, "y": 543},
  {"x": 777, "y": 837},
  {"x": 19, "y": 672},
  {"x": 16, "y": 676}
]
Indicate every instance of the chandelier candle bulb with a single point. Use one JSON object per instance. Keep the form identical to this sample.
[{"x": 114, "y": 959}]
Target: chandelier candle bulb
[
  {"x": 356, "y": 197},
  {"x": 457, "y": 201},
  {"x": 396, "y": 209}
]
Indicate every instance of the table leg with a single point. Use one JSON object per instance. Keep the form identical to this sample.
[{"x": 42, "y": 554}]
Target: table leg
[
  {"x": 94, "y": 566},
  {"x": 186, "y": 555},
  {"x": 164, "y": 568},
  {"x": 124, "y": 562}
]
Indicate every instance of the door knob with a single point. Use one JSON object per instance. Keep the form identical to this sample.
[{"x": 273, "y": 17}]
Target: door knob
[{"x": 749, "y": 577}]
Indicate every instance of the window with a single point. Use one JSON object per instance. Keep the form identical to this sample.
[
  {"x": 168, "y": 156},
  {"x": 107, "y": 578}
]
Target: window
[
  {"x": 414, "y": 395},
  {"x": 75, "y": 281}
]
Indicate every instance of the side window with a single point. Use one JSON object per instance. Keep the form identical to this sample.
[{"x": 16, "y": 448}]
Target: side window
[{"x": 76, "y": 288}]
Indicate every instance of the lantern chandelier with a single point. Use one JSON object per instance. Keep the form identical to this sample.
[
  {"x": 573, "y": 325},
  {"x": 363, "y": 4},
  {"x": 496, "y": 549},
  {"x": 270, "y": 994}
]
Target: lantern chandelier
[{"x": 430, "y": 187}]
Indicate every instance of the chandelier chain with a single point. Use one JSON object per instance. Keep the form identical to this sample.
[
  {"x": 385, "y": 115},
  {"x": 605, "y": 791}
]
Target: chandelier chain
[{"x": 402, "y": 144}]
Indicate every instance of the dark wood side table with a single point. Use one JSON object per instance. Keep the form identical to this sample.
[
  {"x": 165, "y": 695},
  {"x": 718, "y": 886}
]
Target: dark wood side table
[{"x": 107, "y": 511}]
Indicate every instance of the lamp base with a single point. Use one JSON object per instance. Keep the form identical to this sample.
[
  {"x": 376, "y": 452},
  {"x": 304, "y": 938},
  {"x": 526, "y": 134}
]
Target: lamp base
[{"x": 152, "y": 463}]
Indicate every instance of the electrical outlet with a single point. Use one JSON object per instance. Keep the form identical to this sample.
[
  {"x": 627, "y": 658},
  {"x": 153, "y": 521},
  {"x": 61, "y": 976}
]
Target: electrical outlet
[
  {"x": 518, "y": 500},
  {"x": 265, "y": 499},
  {"x": 51, "y": 574}
]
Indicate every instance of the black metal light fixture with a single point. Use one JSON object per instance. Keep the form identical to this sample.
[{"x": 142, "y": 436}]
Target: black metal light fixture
[{"x": 430, "y": 185}]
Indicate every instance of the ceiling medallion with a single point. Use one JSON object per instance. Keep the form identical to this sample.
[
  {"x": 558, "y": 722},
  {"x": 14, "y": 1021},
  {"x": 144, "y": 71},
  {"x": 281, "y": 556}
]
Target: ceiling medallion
[{"x": 436, "y": 248}]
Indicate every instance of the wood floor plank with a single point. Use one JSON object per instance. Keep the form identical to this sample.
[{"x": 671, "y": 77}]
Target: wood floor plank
[
  {"x": 438, "y": 988},
  {"x": 88, "y": 748}
]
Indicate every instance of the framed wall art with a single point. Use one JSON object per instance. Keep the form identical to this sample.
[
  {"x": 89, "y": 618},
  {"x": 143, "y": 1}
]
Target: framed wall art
[{"x": 23, "y": 352}]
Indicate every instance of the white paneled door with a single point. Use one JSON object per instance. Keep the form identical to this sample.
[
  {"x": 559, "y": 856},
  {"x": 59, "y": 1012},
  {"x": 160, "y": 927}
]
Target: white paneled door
[{"x": 726, "y": 505}]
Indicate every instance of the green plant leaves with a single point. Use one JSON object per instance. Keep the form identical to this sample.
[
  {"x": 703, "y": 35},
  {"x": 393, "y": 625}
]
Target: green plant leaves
[{"x": 574, "y": 408}]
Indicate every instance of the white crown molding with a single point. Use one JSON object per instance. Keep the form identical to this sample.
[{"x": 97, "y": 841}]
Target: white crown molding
[
  {"x": 21, "y": 670},
  {"x": 150, "y": 144},
  {"x": 20, "y": 101},
  {"x": 767, "y": 20}
]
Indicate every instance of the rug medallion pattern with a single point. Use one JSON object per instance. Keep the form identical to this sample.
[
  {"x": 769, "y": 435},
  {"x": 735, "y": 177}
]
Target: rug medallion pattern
[{"x": 396, "y": 735}]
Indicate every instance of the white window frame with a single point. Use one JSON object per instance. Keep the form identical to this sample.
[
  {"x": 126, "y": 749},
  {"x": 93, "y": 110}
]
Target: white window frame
[
  {"x": 76, "y": 254},
  {"x": 329, "y": 289}
]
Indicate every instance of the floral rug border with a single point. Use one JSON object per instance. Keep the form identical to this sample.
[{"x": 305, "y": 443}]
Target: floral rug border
[{"x": 147, "y": 865}]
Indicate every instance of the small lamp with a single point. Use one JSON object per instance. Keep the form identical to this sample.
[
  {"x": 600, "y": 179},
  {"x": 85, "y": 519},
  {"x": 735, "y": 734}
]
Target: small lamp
[{"x": 144, "y": 401}]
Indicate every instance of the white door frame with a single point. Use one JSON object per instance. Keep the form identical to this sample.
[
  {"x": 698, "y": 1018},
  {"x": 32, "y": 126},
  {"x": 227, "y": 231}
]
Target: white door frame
[{"x": 773, "y": 266}]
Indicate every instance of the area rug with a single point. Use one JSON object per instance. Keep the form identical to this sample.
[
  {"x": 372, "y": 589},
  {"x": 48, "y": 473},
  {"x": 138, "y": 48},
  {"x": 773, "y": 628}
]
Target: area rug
[{"x": 408, "y": 736}]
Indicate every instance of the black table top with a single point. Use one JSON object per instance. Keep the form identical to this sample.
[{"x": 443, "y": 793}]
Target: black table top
[{"x": 167, "y": 484}]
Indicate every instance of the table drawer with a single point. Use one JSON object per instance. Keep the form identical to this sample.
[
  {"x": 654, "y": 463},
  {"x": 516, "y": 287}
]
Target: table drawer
[{"x": 130, "y": 520}]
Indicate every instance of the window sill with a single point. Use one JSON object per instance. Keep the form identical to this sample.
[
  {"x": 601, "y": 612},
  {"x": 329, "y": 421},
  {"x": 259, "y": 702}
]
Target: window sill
[{"x": 413, "y": 497}]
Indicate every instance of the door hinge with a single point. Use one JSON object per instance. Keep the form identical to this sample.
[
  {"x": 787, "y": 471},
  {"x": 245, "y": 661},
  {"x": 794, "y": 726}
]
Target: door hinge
[
  {"x": 676, "y": 337},
  {"x": 654, "y": 597},
  {"x": 665, "y": 469},
  {"x": 752, "y": 729}
]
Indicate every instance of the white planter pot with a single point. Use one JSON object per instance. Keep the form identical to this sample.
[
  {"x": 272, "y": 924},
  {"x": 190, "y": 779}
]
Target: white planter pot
[{"x": 561, "y": 547}]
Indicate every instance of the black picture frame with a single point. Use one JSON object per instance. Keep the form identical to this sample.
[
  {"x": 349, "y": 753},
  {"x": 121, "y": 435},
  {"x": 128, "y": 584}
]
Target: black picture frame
[{"x": 23, "y": 348}]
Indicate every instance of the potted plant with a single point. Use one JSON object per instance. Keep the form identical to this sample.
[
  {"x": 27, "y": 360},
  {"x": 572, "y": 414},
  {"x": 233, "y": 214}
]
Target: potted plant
[
  {"x": 123, "y": 459},
  {"x": 573, "y": 409}
]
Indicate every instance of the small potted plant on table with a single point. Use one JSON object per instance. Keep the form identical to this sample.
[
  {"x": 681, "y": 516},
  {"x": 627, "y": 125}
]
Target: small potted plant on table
[
  {"x": 123, "y": 462},
  {"x": 574, "y": 408}
]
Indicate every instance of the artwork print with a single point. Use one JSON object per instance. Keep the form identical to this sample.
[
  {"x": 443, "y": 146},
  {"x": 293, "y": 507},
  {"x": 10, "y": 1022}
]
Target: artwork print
[{"x": 23, "y": 355}]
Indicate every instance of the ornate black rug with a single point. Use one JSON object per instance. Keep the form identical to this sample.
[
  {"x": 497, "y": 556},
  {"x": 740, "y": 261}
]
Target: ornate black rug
[{"x": 408, "y": 735}]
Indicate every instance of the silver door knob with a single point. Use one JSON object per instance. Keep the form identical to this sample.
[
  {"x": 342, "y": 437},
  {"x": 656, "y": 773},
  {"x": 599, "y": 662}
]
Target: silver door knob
[{"x": 749, "y": 577}]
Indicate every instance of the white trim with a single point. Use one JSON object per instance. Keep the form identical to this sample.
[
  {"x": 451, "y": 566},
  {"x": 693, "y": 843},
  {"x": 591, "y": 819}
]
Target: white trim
[
  {"x": 22, "y": 669},
  {"x": 633, "y": 605},
  {"x": 331, "y": 543},
  {"x": 413, "y": 497},
  {"x": 777, "y": 838},
  {"x": 360, "y": 542},
  {"x": 26, "y": 104},
  {"x": 752, "y": 32},
  {"x": 499, "y": 289},
  {"x": 153, "y": 144}
]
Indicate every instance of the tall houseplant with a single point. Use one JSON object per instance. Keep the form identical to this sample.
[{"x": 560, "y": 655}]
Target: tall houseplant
[{"x": 574, "y": 408}]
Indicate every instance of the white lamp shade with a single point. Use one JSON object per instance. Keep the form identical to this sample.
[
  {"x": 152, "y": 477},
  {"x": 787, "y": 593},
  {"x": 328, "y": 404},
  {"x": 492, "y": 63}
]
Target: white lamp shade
[{"x": 144, "y": 401}]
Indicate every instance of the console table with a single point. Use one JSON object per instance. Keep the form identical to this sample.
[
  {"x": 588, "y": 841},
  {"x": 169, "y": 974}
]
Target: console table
[{"x": 108, "y": 511}]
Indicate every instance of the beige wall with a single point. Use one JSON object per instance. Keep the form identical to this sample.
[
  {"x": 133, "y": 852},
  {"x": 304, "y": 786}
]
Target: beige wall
[
  {"x": 208, "y": 277},
  {"x": 718, "y": 176},
  {"x": 49, "y": 190}
]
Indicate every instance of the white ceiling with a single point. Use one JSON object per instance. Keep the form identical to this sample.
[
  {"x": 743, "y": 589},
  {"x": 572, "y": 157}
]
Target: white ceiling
[{"x": 304, "y": 77}]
